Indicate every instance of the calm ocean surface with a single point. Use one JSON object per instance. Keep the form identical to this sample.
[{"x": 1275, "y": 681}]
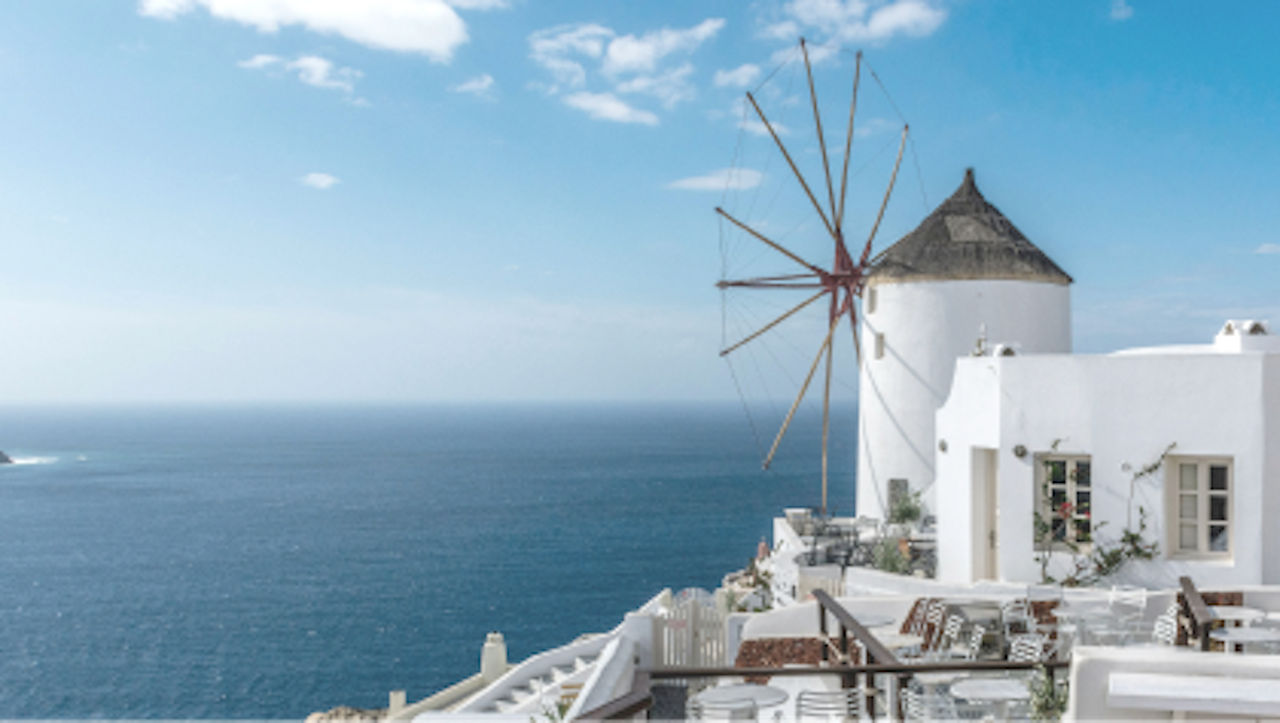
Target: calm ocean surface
[{"x": 271, "y": 562}]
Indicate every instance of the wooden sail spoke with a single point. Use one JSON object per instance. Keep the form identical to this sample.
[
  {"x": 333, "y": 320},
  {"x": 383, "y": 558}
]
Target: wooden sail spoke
[
  {"x": 822, "y": 141},
  {"x": 826, "y": 415},
  {"x": 775, "y": 322},
  {"x": 866, "y": 251},
  {"x": 772, "y": 244},
  {"x": 800, "y": 397},
  {"x": 784, "y": 281},
  {"x": 799, "y": 177},
  {"x": 848, "y": 140}
]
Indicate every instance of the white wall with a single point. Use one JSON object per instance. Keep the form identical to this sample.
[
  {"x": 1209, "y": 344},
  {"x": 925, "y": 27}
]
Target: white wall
[
  {"x": 1271, "y": 468},
  {"x": 1122, "y": 411},
  {"x": 926, "y": 326}
]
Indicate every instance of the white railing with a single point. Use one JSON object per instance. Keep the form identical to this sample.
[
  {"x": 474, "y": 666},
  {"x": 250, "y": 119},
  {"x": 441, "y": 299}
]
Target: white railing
[{"x": 690, "y": 633}]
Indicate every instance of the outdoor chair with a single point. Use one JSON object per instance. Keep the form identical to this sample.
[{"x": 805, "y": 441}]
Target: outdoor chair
[
  {"x": 934, "y": 617},
  {"x": 976, "y": 636},
  {"x": 1016, "y": 617},
  {"x": 949, "y": 645},
  {"x": 1027, "y": 648},
  {"x": 829, "y": 705},
  {"x": 1127, "y": 602},
  {"x": 1164, "y": 631}
]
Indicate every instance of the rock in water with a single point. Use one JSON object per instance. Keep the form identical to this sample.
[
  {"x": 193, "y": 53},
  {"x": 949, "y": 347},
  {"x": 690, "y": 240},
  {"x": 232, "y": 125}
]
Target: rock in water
[{"x": 5, "y": 459}]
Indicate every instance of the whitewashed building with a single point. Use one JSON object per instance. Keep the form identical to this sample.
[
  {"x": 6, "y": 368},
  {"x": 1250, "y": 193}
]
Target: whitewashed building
[
  {"x": 1188, "y": 435},
  {"x": 971, "y": 396}
]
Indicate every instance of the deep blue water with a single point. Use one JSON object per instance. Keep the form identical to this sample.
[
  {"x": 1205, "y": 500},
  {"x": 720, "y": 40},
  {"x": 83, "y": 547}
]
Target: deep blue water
[{"x": 270, "y": 562}]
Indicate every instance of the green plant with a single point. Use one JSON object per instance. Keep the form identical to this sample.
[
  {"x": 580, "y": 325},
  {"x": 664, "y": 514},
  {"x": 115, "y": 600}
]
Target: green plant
[
  {"x": 1048, "y": 696},
  {"x": 888, "y": 556},
  {"x": 906, "y": 508}
]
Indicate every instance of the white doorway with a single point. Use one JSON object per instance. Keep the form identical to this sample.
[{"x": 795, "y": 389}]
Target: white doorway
[{"x": 986, "y": 517}]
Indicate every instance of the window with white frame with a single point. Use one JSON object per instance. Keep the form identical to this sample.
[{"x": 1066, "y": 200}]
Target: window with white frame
[
  {"x": 1200, "y": 502},
  {"x": 1064, "y": 498}
]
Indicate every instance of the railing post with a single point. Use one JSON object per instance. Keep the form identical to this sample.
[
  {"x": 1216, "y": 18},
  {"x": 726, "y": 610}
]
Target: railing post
[{"x": 822, "y": 629}]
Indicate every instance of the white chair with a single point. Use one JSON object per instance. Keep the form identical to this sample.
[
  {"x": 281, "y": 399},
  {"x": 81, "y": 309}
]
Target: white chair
[
  {"x": 976, "y": 636},
  {"x": 1027, "y": 648},
  {"x": 1016, "y": 617},
  {"x": 830, "y": 705},
  {"x": 1127, "y": 601}
]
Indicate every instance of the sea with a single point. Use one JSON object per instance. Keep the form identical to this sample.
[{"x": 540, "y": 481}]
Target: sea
[{"x": 272, "y": 561}]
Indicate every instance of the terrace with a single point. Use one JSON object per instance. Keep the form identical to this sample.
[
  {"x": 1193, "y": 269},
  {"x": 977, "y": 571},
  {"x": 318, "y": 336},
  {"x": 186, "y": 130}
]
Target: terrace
[{"x": 1146, "y": 653}]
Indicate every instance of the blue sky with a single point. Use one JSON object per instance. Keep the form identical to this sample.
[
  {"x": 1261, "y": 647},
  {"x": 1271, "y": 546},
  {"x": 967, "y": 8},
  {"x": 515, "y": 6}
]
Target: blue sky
[{"x": 405, "y": 200}]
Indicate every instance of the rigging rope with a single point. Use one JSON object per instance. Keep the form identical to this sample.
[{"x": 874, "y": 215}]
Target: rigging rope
[{"x": 755, "y": 433}]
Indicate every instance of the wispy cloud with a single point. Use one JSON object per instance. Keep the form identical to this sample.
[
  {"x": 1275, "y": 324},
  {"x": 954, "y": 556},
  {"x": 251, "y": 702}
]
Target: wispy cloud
[
  {"x": 479, "y": 4},
  {"x": 428, "y": 27},
  {"x": 595, "y": 65},
  {"x": 1121, "y": 10},
  {"x": 313, "y": 70},
  {"x": 316, "y": 71},
  {"x": 607, "y": 106},
  {"x": 831, "y": 22},
  {"x": 874, "y": 126},
  {"x": 260, "y": 61},
  {"x": 641, "y": 54},
  {"x": 740, "y": 77},
  {"x": 1268, "y": 249},
  {"x": 757, "y": 127},
  {"x": 480, "y": 86},
  {"x": 561, "y": 49},
  {"x": 726, "y": 178},
  {"x": 319, "y": 181},
  {"x": 669, "y": 88}
]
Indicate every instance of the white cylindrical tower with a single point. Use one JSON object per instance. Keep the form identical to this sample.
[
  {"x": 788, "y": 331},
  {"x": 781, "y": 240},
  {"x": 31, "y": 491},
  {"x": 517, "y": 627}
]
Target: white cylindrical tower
[{"x": 965, "y": 279}]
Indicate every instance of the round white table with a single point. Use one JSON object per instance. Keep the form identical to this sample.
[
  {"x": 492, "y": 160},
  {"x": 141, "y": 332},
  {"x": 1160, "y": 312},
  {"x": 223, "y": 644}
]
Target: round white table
[
  {"x": 1236, "y": 613},
  {"x": 762, "y": 695},
  {"x": 1232, "y": 637}
]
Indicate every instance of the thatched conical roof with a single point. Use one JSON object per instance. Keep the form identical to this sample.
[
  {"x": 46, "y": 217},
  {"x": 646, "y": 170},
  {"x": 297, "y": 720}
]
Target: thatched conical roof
[{"x": 965, "y": 238}]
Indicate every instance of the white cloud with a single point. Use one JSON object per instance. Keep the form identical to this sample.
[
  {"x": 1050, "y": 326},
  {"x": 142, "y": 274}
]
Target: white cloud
[
  {"x": 628, "y": 65},
  {"x": 1121, "y": 10},
  {"x": 479, "y": 4},
  {"x": 316, "y": 71},
  {"x": 860, "y": 21},
  {"x": 670, "y": 88},
  {"x": 481, "y": 86},
  {"x": 555, "y": 49},
  {"x": 1268, "y": 249},
  {"x": 259, "y": 61},
  {"x": 607, "y": 106},
  {"x": 429, "y": 27},
  {"x": 632, "y": 54},
  {"x": 312, "y": 70},
  {"x": 725, "y": 178},
  {"x": 874, "y": 126},
  {"x": 320, "y": 181},
  {"x": 740, "y": 77},
  {"x": 756, "y": 127}
]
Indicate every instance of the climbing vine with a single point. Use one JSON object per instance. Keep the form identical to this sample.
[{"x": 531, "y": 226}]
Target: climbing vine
[{"x": 1102, "y": 558}]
